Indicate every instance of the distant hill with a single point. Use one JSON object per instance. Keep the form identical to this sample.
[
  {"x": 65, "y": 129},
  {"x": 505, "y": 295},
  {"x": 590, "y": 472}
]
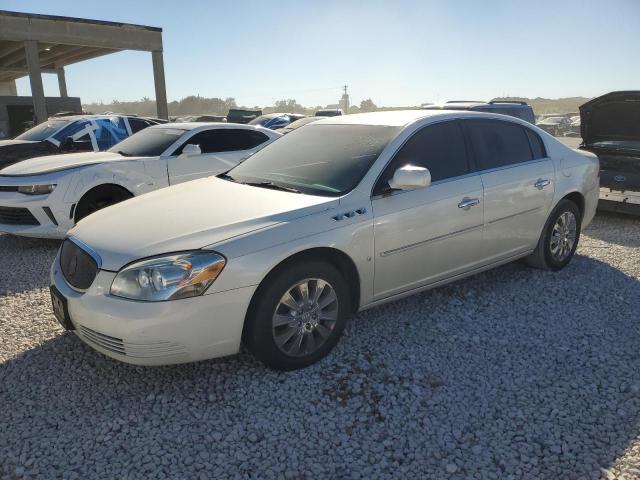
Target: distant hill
[{"x": 551, "y": 105}]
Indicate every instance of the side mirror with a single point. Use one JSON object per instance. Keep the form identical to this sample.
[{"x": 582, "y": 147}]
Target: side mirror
[
  {"x": 191, "y": 149},
  {"x": 410, "y": 177}
]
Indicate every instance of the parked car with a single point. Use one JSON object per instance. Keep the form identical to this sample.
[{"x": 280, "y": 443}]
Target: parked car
[
  {"x": 516, "y": 109},
  {"x": 555, "y": 126},
  {"x": 275, "y": 121},
  {"x": 69, "y": 134},
  {"x": 330, "y": 112},
  {"x": 298, "y": 123},
  {"x": 238, "y": 115},
  {"x": 574, "y": 127},
  {"x": 46, "y": 196},
  {"x": 611, "y": 129},
  {"x": 342, "y": 215}
]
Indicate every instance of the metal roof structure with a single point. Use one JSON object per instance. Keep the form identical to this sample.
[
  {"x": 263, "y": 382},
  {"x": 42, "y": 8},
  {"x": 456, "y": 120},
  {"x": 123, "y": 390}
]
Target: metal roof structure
[{"x": 32, "y": 44}]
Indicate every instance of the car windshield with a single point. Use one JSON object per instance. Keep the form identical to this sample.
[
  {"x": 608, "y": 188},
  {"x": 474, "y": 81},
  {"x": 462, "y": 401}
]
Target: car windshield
[
  {"x": 263, "y": 119},
  {"x": 327, "y": 160},
  {"x": 43, "y": 131},
  {"x": 149, "y": 142}
]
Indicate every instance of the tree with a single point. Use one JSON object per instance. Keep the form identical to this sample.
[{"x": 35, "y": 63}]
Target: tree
[{"x": 368, "y": 106}]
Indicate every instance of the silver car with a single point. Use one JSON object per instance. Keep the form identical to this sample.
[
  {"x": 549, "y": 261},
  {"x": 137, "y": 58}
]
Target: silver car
[{"x": 342, "y": 215}]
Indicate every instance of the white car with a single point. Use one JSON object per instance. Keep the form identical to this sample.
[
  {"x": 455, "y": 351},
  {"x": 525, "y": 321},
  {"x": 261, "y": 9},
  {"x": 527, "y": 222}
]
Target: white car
[
  {"x": 46, "y": 196},
  {"x": 339, "y": 216}
]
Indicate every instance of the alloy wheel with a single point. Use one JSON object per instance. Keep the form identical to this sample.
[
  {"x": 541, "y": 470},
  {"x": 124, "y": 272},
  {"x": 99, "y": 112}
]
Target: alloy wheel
[
  {"x": 305, "y": 317},
  {"x": 563, "y": 236}
]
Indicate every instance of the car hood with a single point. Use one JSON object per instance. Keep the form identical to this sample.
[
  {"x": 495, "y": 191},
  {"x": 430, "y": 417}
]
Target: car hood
[
  {"x": 611, "y": 117},
  {"x": 4, "y": 143},
  {"x": 54, "y": 163},
  {"x": 189, "y": 216}
]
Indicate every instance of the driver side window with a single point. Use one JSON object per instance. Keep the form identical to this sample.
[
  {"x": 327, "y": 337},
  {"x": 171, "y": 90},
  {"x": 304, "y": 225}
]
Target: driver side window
[{"x": 439, "y": 148}]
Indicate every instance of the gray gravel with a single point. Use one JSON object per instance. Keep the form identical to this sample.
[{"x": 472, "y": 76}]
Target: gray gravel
[{"x": 511, "y": 374}]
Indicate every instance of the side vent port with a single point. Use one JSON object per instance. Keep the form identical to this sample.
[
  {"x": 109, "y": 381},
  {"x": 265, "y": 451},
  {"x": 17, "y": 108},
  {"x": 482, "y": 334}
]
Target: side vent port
[{"x": 349, "y": 214}]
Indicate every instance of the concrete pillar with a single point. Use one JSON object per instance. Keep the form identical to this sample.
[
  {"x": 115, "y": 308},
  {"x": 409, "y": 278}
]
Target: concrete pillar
[
  {"x": 62, "y": 82},
  {"x": 161, "y": 90},
  {"x": 35, "y": 77},
  {"x": 8, "y": 88}
]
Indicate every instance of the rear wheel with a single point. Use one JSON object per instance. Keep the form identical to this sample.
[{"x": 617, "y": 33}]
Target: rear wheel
[
  {"x": 98, "y": 198},
  {"x": 298, "y": 316},
  {"x": 559, "y": 239}
]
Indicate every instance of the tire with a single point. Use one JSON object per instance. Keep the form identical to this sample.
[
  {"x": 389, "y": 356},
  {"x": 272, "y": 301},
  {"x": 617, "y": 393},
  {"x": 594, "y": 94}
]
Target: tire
[
  {"x": 311, "y": 334},
  {"x": 554, "y": 250},
  {"x": 98, "y": 198}
]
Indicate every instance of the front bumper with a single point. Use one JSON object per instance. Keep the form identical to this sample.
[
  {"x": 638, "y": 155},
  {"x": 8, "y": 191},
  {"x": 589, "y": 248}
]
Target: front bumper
[
  {"x": 155, "y": 333},
  {"x": 36, "y": 204}
]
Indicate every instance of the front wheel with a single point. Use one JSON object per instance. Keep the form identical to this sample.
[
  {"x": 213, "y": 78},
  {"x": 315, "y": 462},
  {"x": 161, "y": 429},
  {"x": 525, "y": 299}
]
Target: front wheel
[
  {"x": 559, "y": 239},
  {"x": 298, "y": 316}
]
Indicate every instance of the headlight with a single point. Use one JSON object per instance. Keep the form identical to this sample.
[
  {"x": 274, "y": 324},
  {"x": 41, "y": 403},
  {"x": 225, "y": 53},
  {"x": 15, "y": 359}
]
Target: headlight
[
  {"x": 171, "y": 277},
  {"x": 37, "y": 189}
]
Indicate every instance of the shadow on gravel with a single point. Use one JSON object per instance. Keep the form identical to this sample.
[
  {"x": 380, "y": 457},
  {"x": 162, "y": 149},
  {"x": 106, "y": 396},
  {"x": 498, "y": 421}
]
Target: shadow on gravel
[
  {"x": 616, "y": 228},
  {"x": 25, "y": 262},
  {"x": 513, "y": 373}
]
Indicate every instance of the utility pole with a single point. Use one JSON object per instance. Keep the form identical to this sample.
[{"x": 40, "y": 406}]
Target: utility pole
[{"x": 345, "y": 100}]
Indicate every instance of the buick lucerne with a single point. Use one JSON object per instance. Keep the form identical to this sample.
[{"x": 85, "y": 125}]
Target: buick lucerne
[{"x": 344, "y": 214}]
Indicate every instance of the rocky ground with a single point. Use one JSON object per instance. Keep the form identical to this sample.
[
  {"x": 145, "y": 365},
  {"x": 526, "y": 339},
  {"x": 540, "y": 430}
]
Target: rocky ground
[{"x": 511, "y": 374}]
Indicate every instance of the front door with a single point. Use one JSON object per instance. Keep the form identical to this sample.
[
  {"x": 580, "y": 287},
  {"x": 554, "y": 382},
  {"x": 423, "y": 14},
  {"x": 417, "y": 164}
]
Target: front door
[{"x": 426, "y": 235}]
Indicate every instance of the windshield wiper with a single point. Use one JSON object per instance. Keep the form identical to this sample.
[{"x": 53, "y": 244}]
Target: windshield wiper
[
  {"x": 226, "y": 176},
  {"x": 273, "y": 186},
  {"x": 124, "y": 154}
]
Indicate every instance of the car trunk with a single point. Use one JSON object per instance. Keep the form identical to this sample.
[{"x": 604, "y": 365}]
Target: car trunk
[{"x": 610, "y": 127}]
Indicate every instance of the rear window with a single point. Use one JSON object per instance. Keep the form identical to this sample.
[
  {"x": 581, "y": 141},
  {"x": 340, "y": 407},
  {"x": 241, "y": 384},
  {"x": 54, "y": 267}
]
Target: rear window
[
  {"x": 498, "y": 144},
  {"x": 537, "y": 145}
]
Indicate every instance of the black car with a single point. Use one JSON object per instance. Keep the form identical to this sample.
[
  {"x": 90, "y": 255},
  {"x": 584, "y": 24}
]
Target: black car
[
  {"x": 513, "y": 108},
  {"x": 71, "y": 134},
  {"x": 239, "y": 115},
  {"x": 610, "y": 128}
]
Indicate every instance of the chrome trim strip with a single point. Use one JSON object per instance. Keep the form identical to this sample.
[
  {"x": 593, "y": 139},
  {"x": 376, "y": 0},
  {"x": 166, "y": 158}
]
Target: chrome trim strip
[
  {"x": 87, "y": 249},
  {"x": 531, "y": 210},
  {"x": 514, "y": 165},
  {"x": 434, "y": 239}
]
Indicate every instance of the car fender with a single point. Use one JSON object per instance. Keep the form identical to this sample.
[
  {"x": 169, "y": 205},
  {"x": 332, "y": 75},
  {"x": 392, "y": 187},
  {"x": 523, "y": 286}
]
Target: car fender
[
  {"x": 131, "y": 175},
  {"x": 248, "y": 267}
]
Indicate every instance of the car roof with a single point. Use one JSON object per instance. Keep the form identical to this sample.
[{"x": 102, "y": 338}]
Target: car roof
[
  {"x": 391, "y": 118},
  {"x": 401, "y": 118},
  {"x": 204, "y": 125}
]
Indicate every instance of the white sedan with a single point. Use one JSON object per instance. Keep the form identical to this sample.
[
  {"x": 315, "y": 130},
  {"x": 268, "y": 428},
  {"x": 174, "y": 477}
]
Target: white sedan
[
  {"x": 342, "y": 215},
  {"x": 46, "y": 196}
]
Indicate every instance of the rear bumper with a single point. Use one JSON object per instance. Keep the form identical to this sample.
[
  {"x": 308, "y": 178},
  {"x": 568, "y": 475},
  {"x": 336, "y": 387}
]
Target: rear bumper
[{"x": 619, "y": 201}]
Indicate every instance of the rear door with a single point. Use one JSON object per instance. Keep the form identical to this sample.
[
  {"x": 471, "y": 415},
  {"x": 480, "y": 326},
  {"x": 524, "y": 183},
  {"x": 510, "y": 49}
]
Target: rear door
[
  {"x": 222, "y": 149},
  {"x": 425, "y": 235},
  {"x": 518, "y": 180}
]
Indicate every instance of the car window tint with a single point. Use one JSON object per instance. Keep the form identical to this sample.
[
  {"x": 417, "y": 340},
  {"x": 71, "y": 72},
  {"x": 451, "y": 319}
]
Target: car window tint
[
  {"x": 537, "y": 145},
  {"x": 137, "y": 124},
  {"x": 226, "y": 140},
  {"x": 440, "y": 148},
  {"x": 497, "y": 143}
]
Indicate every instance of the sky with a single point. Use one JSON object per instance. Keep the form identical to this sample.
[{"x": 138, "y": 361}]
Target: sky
[{"x": 398, "y": 53}]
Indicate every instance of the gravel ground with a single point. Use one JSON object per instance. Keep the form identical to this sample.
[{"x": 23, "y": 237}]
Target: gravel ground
[{"x": 511, "y": 374}]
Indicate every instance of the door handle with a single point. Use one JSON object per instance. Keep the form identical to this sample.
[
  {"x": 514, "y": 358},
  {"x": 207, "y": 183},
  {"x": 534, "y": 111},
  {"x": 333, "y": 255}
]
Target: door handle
[
  {"x": 543, "y": 182},
  {"x": 467, "y": 203}
]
